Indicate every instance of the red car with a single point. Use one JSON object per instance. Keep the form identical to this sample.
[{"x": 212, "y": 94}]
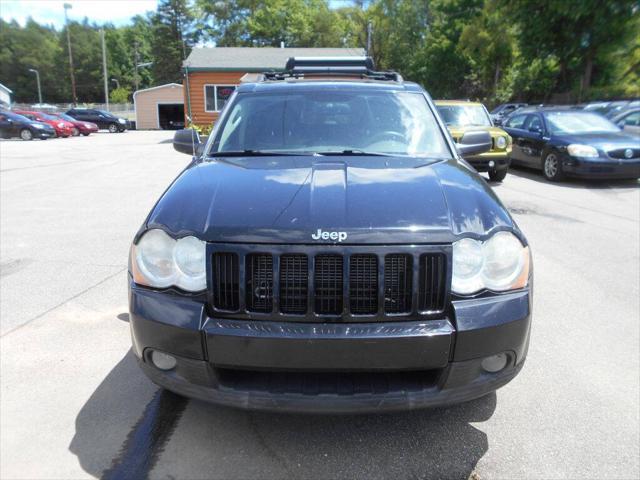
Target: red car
[
  {"x": 62, "y": 127},
  {"x": 79, "y": 126}
]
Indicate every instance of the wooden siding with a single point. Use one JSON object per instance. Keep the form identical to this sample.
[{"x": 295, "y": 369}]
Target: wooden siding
[{"x": 197, "y": 81}]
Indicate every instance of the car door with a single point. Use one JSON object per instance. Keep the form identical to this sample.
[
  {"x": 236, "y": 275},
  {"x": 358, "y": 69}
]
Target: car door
[
  {"x": 631, "y": 123},
  {"x": 6, "y": 126},
  {"x": 514, "y": 126},
  {"x": 533, "y": 140},
  {"x": 99, "y": 119}
]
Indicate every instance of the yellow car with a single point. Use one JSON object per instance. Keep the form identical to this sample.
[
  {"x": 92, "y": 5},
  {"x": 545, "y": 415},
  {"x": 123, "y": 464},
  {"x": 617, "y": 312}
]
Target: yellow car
[{"x": 462, "y": 116}]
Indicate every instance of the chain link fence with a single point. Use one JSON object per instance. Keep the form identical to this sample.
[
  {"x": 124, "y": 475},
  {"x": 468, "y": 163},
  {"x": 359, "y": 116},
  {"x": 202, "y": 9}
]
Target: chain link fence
[{"x": 125, "y": 110}]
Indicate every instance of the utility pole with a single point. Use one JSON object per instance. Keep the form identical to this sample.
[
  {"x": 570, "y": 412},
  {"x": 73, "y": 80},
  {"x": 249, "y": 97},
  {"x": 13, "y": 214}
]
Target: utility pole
[
  {"x": 38, "y": 81},
  {"x": 135, "y": 62},
  {"x": 67, "y": 6},
  {"x": 104, "y": 70},
  {"x": 369, "y": 28}
]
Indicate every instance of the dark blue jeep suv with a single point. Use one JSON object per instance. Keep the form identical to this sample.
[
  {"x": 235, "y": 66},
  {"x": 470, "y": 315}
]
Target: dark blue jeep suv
[{"x": 329, "y": 250}]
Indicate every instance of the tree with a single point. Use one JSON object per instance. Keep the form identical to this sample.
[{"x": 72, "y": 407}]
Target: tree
[{"x": 172, "y": 39}]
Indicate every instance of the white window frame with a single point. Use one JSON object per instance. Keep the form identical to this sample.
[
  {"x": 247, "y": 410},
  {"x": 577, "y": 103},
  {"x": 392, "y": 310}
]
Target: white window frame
[{"x": 215, "y": 94}]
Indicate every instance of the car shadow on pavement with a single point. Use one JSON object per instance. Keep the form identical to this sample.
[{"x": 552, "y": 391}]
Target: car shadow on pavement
[
  {"x": 130, "y": 429},
  {"x": 590, "y": 183}
]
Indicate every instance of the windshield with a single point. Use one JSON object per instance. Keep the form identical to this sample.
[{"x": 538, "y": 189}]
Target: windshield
[
  {"x": 464, "y": 115},
  {"x": 384, "y": 122},
  {"x": 578, "y": 122},
  {"x": 48, "y": 117},
  {"x": 15, "y": 117},
  {"x": 105, "y": 113},
  {"x": 66, "y": 117}
]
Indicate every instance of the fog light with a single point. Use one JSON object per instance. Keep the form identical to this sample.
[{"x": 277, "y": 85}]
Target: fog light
[
  {"x": 495, "y": 363},
  {"x": 163, "y": 361},
  {"x": 492, "y": 164}
]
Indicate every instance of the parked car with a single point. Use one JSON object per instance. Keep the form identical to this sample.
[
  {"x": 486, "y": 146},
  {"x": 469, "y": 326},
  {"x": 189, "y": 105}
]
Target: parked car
[
  {"x": 629, "y": 120},
  {"x": 79, "y": 127},
  {"x": 102, "y": 118},
  {"x": 328, "y": 250},
  {"x": 462, "y": 116},
  {"x": 14, "y": 125},
  {"x": 62, "y": 127},
  {"x": 574, "y": 143},
  {"x": 499, "y": 113}
]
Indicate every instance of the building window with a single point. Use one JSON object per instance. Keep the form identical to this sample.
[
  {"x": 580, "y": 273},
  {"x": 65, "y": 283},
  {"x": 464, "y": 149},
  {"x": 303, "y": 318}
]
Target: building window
[{"x": 215, "y": 96}]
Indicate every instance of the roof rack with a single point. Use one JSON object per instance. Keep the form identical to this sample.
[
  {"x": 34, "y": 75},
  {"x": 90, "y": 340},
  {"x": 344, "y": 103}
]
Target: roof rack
[{"x": 362, "y": 67}]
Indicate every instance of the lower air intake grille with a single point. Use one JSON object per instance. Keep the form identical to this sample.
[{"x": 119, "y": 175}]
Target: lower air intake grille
[
  {"x": 363, "y": 284},
  {"x": 259, "y": 278},
  {"x": 328, "y": 284},
  {"x": 226, "y": 291},
  {"x": 432, "y": 283},
  {"x": 397, "y": 283},
  {"x": 294, "y": 280}
]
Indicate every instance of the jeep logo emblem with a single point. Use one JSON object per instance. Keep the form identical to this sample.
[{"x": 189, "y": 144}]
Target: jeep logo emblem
[{"x": 320, "y": 235}]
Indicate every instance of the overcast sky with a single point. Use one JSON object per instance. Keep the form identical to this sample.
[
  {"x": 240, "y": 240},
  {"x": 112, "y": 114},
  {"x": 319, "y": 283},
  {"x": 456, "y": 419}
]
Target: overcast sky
[{"x": 118, "y": 12}]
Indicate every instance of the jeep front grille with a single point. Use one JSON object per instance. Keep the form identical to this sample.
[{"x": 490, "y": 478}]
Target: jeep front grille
[{"x": 328, "y": 283}]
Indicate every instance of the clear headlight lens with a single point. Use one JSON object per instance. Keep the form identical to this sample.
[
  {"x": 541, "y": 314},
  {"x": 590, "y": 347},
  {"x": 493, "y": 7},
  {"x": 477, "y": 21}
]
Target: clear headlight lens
[
  {"x": 501, "y": 263},
  {"x": 160, "y": 261},
  {"x": 501, "y": 142},
  {"x": 577, "y": 150},
  {"x": 121, "y": 120}
]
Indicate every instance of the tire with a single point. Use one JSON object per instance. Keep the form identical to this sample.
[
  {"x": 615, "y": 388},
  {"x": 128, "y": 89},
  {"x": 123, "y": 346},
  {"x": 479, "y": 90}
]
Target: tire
[
  {"x": 113, "y": 128},
  {"x": 85, "y": 134},
  {"x": 26, "y": 134},
  {"x": 75, "y": 132},
  {"x": 498, "y": 175},
  {"x": 43, "y": 138},
  {"x": 552, "y": 167}
]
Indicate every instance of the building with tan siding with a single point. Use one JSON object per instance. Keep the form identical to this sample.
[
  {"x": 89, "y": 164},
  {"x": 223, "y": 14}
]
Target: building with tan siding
[
  {"x": 159, "y": 108},
  {"x": 212, "y": 74}
]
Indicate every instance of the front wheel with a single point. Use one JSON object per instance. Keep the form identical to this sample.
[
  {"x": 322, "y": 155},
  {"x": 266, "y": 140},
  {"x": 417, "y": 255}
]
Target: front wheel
[
  {"x": 75, "y": 132},
  {"x": 113, "y": 128},
  {"x": 25, "y": 134},
  {"x": 551, "y": 168},
  {"x": 85, "y": 134},
  {"x": 498, "y": 175}
]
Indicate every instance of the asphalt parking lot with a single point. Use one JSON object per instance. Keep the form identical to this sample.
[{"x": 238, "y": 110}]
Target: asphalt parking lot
[{"x": 75, "y": 405}]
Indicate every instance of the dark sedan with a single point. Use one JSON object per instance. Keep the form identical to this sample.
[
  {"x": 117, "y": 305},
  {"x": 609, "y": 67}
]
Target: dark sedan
[
  {"x": 572, "y": 143},
  {"x": 14, "y": 125}
]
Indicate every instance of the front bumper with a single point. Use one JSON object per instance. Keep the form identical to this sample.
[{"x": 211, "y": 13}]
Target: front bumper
[
  {"x": 42, "y": 133},
  {"x": 330, "y": 367},
  {"x": 482, "y": 162},
  {"x": 601, "y": 168}
]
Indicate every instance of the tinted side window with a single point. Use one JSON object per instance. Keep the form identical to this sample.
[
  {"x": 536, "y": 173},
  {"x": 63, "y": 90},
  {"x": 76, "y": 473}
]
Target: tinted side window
[
  {"x": 534, "y": 123},
  {"x": 516, "y": 122},
  {"x": 633, "y": 119}
]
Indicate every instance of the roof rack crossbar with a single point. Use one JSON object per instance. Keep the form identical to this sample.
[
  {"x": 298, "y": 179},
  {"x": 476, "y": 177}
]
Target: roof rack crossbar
[{"x": 362, "y": 67}]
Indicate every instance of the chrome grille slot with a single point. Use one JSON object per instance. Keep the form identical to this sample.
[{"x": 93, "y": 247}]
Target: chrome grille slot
[
  {"x": 226, "y": 288},
  {"x": 259, "y": 282},
  {"x": 397, "y": 283},
  {"x": 432, "y": 282},
  {"x": 328, "y": 284},
  {"x": 363, "y": 284},
  {"x": 294, "y": 283}
]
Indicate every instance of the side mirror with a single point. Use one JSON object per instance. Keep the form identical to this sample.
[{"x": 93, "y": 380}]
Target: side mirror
[
  {"x": 187, "y": 141},
  {"x": 474, "y": 142}
]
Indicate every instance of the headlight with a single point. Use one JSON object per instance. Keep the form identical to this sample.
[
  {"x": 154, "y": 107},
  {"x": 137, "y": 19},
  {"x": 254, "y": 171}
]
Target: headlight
[
  {"x": 88, "y": 125},
  {"x": 577, "y": 150},
  {"x": 501, "y": 142},
  {"x": 160, "y": 261},
  {"x": 501, "y": 263},
  {"x": 121, "y": 120},
  {"x": 37, "y": 125},
  {"x": 61, "y": 125}
]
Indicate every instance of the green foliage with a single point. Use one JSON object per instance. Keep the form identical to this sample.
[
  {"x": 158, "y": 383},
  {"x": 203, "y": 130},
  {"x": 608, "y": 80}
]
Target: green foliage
[
  {"x": 492, "y": 50},
  {"x": 120, "y": 95}
]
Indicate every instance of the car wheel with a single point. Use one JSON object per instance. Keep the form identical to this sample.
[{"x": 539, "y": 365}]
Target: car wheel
[
  {"x": 85, "y": 134},
  {"x": 113, "y": 128},
  {"x": 551, "y": 168},
  {"x": 25, "y": 134},
  {"x": 75, "y": 132},
  {"x": 498, "y": 175}
]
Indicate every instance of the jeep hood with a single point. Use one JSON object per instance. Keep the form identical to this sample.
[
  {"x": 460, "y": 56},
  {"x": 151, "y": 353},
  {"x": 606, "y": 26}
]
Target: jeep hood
[{"x": 375, "y": 200}]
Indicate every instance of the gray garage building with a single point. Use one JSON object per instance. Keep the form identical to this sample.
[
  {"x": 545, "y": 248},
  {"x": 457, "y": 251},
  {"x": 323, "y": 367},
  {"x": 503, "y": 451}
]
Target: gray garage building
[{"x": 159, "y": 108}]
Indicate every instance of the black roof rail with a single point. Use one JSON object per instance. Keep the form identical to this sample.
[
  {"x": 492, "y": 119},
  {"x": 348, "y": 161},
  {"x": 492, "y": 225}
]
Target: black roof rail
[{"x": 363, "y": 67}]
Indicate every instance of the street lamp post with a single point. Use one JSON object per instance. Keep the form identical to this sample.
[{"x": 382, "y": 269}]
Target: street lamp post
[
  {"x": 67, "y": 6},
  {"x": 38, "y": 81},
  {"x": 116, "y": 82}
]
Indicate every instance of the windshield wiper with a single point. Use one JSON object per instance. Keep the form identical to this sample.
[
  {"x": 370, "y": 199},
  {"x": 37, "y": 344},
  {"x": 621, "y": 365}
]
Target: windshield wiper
[
  {"x": 354, "y": 153},
  {"x": 252, "y": 153}
]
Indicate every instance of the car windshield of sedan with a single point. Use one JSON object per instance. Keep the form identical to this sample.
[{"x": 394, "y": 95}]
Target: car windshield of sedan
[
  {"x": 325, "y": 122},
  {"x": 106, "y": 114},
  {"x": 464, "y": 115},
  {"x": 66, "y": 117},
  {"x": 16, "y": 117},
  {"x": 578, "y": 122}
]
